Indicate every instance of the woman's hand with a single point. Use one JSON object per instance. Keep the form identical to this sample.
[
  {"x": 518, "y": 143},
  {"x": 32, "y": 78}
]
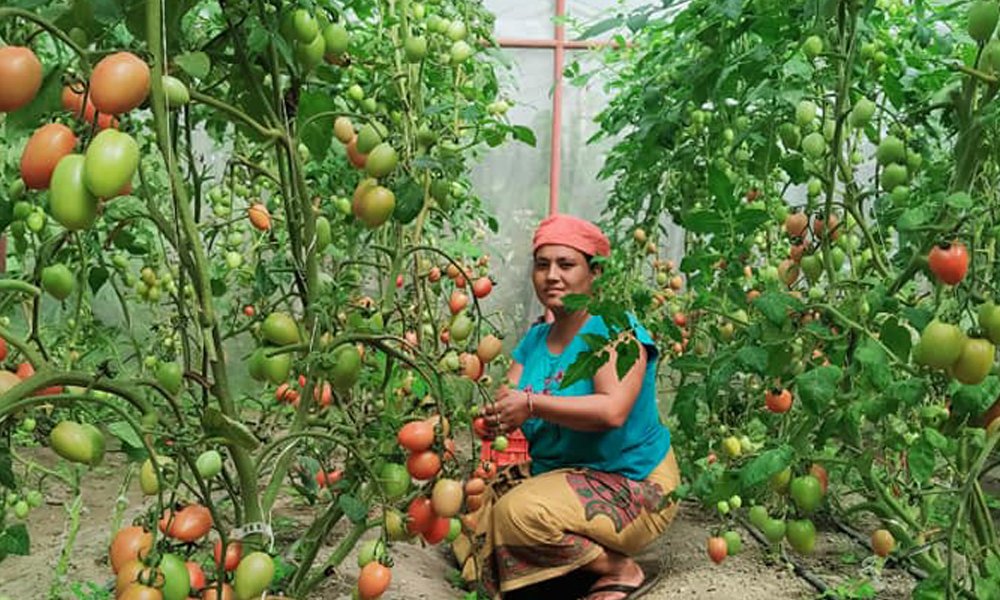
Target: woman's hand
[{"x": 509, "y": 411}]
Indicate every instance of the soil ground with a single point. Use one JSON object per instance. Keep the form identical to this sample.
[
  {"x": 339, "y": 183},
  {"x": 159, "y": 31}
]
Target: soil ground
[{"x": 421, "y": 573}]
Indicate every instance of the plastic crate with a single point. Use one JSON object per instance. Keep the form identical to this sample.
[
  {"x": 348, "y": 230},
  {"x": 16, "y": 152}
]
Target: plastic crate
[{"x": 516, "y": 452}]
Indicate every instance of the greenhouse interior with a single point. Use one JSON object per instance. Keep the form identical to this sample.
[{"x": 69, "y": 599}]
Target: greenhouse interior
[{"x": 499, "y": 299}]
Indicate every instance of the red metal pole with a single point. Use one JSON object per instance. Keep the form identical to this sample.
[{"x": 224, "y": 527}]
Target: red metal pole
[{"x": 556, "y": 158}]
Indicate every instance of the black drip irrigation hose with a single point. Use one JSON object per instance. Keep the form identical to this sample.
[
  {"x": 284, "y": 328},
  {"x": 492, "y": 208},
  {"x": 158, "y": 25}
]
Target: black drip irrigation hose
[{"x": 800, "y": 569}]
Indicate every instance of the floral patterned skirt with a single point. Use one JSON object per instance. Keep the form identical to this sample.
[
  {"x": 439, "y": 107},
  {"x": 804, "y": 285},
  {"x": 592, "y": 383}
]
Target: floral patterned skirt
[{"x": 530, "y": 529}]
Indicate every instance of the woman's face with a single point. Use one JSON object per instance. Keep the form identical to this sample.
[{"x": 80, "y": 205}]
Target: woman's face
[{"x": 560, "y": 270}]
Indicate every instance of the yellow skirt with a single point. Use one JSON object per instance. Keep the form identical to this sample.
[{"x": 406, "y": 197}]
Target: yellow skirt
[{"x": 530, "y": 529}]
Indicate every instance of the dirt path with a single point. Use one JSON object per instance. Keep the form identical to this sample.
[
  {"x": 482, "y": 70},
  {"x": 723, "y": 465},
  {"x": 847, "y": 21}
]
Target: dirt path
[{"x": 420, "y": 573}]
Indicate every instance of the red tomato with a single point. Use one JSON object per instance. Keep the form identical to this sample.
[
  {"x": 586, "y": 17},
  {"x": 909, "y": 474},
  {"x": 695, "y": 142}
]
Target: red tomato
[
  {"x": 24, "y": 370},
  {"x": 819, "y": 472},
  {"x": 479, "y": 426},
  {"x": 196, "y": 574},
  {"x": 189, "y": 524},
  {"x": 717, "y": 549},
  {"x": 325, "y": 479},
  {"x": 234, "y": 550},
  {"x": 486, "y": 470},
  {"x": 72, "y": 100},
  {"x": 423, "y": 465},
  {"x": 482, "y": 287},
  {"x": 21, "y": 72},
  {"x": 778, "y": 400},
  {"x": 949, "y": 261},
  {"x": 129, "y": 544},
  {"x": 437, "y": 531},
  {"x": 119, "y": 83},
  {"x": 419, "y": 515},
  {"x": 457, "y": 302},
  {"x": 285, "y": 393},
  {"x": 323, "y": 394},
  {"x": 3, "y": 349},
  {"x": 416, "y": 436},
  {"x": 211, "y": 594},
  {"x": 680, "y": 320},
  {"x": 796, "y": 223},
  {"x": 434, "y": 274},
  {"x": 249, "y": 310},
  {"x": 374, "y": 580},
  {"x": 46, "y": 147}
]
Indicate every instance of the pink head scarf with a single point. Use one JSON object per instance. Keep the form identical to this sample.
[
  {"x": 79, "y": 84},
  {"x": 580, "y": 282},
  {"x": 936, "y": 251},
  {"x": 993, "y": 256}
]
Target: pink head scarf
[{"x": 574, "y": 232}]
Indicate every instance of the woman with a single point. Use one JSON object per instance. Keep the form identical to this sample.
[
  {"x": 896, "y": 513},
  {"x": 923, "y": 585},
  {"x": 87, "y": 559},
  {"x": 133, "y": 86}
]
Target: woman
[{"x": 596, "y": 491}]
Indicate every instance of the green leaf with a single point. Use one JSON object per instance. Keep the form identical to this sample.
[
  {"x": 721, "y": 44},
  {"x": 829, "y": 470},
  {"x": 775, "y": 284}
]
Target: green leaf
[
  {"x": 219, "y": 287},
  {"x": 601, "y": 27},
  {"x": 125, "y": 433},
  {"x": 575, "y": 301},
  {"x": 14, "y": 540},
  {"x": 125, "y": 208},
  {"x": 921, "y": 460},
  {"x": 973, "y": 400},
  {"x": 935, "y": 439},
  {"x": 818, "y": 387},
  {"x": 355, "y": 510},
  {"x": 760, "y": 469},
  {"x": 524, "y": 134},
  {"x": 628, "y": 354},
  {"x": 897, "y": 338},
  {"x": 753, "y": 358},
  {"x": 774, "y": 306},
  {"x": 704, "y": 221},
  {"x": 959, "y": 200},
  {"x": 594, "y": 341},
  {"x": 686, "y": 406},
  {"x": 721, "y": 187},
  {"x": 195, "y": 64},
  {"x": 315, "y": 131},
  {"x": 584, "y": 367},
  {"x": 97, "y": 277}
]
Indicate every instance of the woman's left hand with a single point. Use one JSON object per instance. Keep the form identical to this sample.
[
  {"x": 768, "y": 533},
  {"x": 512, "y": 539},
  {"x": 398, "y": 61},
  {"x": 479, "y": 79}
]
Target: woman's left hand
[{"x": 509, "y": 411}]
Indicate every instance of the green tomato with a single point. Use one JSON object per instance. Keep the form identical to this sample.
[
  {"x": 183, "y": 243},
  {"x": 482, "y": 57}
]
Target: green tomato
[
  {"x": 894, "y": 176},
  {"x": 309, "y": 54},
  {"x": 280, "y": 329},
  {"x": 989, "y": 321},
  {"x": 802, "y": 536},
  {"x": 723, "y": 507},
  {"x": 35, "y": 221},
  {"x": 253, "y": 575},
  {"x": 500, "y": 443},
  {"x": 111, "y": 161},
  {"x": 234, "y": 259},
  {"x": 209, "y": 464},
  {"x": 941, "y": 344},
  {"x": 461, "y": 327},
  {"x": 58, "y": 281},
  {"x": 278, "y": 367},
  {"x": 394, "y": 480},
  {"x": 758, "y": 516},
  {"x": 23, "y": 210},
  {"x": 148, "y": 481},
  {"x": 415, "y": 48},
  {"x": 28, "y": 425},
  {"x": 355, "y": 93},
  {"x": 734, "y": 544},
  {"x": 78, "y": 442},
  {"x": 460, "y": 52},
  {"x": 382, "y": 160},
  {"x": 735, "y": 502},
  {"x": 336, "y": 39},
  {"x": 805, "y": 113},
  {"x": 813, "y": 46},
  {"x": 862, "y": 113},
  {"x": 983, "y": 16},
  {"x": 324, "y": 235},
  {"x": 304, "y": 26},
  {"x": 454, "y": 530},
  {"x": 814, "y": 145},
  {"x": 369, "y": 105},
  {"x": 975, "y": 361},
  {"x": 890, "y": 150},
  {"x": 370, "y": 550},
  {"x": 812, "y": 266},
  {"x": 176, "y": 578},
  {"x": 456, "y": 31},
  {"x": 71, "y": 203},
  {"x": 346, "y": 368},
  {"x": 176, "y": 92},
  {"x": 21, "y": 509},
  {"x": 806, "y": 492},
  {"x": 34, "y": 498},
  {"x": 774, "y": 530},
  {"x": 171, "y": 376}
]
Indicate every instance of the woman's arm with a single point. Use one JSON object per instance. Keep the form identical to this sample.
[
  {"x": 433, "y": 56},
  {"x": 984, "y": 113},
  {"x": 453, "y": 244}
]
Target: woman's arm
[{"x": 607, "y": 408}]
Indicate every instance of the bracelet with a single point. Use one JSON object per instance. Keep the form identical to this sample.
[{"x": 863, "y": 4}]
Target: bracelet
[{"x": 531, "y": 405}]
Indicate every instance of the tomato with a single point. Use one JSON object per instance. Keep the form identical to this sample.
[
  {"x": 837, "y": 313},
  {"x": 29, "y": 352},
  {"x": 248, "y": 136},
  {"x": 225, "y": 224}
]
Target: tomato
[
  {"x": 423, "y": 465},
  {"x": 137, "y": 591},
  {"x": 211, "y": 593},
  {"x": 196, "y": 575},
  {"x": 717, "y": 549},
  {"x": 940, "y": 344},
  {"x": 975, "y": 361},
  {"x": 482, "y": 287},
  {"x": 395, "y": 528},
  {"x": 304, "y": 26},
  {"x": 486, "y": 470},
  {"x": 819, "y": 472},
  {"x": 500, "y": 443},
  {"x": 324, "y": 479},
  {"x": 323, "y": 394},
  {"x": 129, "y": 544},
  {"x": 460, "y": 327},
  {"x": 778, "y": 400},
  {"x": 355, "y": 156},
  {"x": 58, "y": 281},
  {"x": 734, "y": 544},
  {"x": 76, "y": 442},
  {"x": 176, "y": 92},
  {"x": 373, "y": 581},
  {"x": 989, "y": 321},
  {"x": 276, "y": 368},
  {"x": 21, "y": 72},
  {"x": 280, "y": 329},
  {"x": 376, "y": 206},
  {"x": 234, "y": 550},
  {"x": 457, "y": 302},
  {"x": 129, "y": 573},
  {"x": 788, "y": 271},
  {"x": 148, "y": 481},
  {"x": 170, "y": 375},
  {"x": 806, "y": 493},
  {"x": 415, "y": 48},
  {"x": 475, "y": 486},
  {"x": 419, "y": 515},
  {"x": 72, "y": 100},
  {"x": 46, "y": 147},
  {"x": 883, "y": 542},
  {"x": 801, "y": 536},
  {"x": 343, "y": 129},
  {"x": 949, "y": 261},
  {"x": 779, "y": 481},
  {"x": 3, "y": 351},
  {"x": 336, "y": 39},
  {"x": 119, "y": 83},
  {"x": 309, "y": 54},
  {"x": 259, "y": 216},
  {"x": 446, "y": 497},
  {"x": 731, "y": 447},
  {"x": 437, "y": 531},
  {"x": 983, "y": 15},
  {"x": 489, "y": 348},
  {"x": 394, "y": 480},
  {"x": 176, "y": 578},
  {"x": 416, "y": 436},
  {"x": 70, "y": 202},
  {"x": 346, "y": 368},
  {"x": 324, "y": 233},
  {"x": 369, "y": 551},
  {"x": 774, "y": 530},
  {"x": 480, "y": 428},
  {"x": 189, "y": 524},
  {"x": 758, "y": 516},
  {"x": 253, "y": 575},
  {"x": 382, "y": 160}
]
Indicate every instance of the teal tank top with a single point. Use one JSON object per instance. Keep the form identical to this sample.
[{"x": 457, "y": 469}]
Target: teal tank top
[{"x": 633, "y": 450}]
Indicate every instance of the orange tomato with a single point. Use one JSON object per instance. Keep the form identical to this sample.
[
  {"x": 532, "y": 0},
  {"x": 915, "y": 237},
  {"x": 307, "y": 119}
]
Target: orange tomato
[
  {"x": 260, "y": 218},
  {"x": 423, "y": 465},
  {"x": 43, "y": 151},
  {"x": 374, "y": 580},
  {"x": 416, "y": 436},
  {"x": 21, "y": 72},
  {"x": 191, "y": 523},
  {"x": 119, "y": 83},
  {"x": 129, "y": 544},
  {"x": 234, "y": 550}
]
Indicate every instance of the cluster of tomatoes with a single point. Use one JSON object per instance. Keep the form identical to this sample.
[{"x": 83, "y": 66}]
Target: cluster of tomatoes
[
  {"x": 371, "y": 203},
  {"x": 143, "y": 572},
  {"x": 804, "y": 257}
]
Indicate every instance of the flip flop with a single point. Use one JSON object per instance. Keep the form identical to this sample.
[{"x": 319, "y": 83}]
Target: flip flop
[{"x": 651, "y": 568}]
